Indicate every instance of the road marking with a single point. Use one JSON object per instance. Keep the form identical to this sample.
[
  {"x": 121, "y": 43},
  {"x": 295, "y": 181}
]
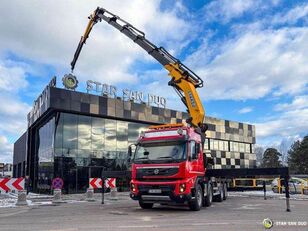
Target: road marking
[
  {"x": 146, "y": 218},
  {"x": 249, "y": 206},
  {"x": 138, "y": 226}
]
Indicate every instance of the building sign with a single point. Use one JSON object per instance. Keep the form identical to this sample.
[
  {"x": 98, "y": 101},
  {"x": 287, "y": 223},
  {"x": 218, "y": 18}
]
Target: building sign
[
  {"x": 70, "y": 82},
  {"x": 126, "y": 94},
  {"x": 42, "y": 99}
]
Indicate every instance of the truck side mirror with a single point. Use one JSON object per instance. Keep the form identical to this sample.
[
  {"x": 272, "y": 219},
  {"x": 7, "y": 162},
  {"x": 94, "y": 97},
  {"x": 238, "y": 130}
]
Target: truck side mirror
[
  {"x": 130, "y": 151},
  {"x": 207, "y": 160},
  {"x": 210, "y": 160}
]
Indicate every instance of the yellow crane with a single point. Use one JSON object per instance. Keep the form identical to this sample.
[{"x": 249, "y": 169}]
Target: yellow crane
[{"x": 183, "y": 80}]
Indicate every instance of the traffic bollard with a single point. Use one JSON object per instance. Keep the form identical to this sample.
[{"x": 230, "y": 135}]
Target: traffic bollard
[
  {"x": 57, "y": 196},
  {"x": 90, "y": 194},
  {"x": 113, "y": 193},
  {"x": 22, "y": 198}
]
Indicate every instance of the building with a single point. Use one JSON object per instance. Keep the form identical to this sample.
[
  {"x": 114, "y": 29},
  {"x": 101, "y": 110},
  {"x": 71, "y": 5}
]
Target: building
[
  {"x": 6, "y": 170},
  {"x": 75, "y": 136}
]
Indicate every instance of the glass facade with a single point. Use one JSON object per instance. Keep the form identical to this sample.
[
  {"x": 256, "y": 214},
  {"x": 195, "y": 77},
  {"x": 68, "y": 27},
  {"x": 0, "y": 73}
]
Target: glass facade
[
  {"x": 45, "y": 153},
  {"x": 228, "y": 146},
  {"x": 77, "y": 147}
]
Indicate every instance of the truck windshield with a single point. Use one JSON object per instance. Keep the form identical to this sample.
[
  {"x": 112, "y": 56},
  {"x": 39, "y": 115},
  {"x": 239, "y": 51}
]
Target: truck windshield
[{"x": 162, "y": 152}]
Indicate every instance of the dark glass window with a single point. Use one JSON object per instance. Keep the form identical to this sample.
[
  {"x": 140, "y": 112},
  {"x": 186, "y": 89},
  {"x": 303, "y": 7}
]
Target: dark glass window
[
  {"x": 70, "y": 132},
  {"x": 122, "y": 136},
  {"x": 110, "y": 135},
  {"x": 59, "y": 134},
  {"x": 84, "y": 136},
  {"x": 45, "y": 143},
  {"x": 98, "y": 137}
]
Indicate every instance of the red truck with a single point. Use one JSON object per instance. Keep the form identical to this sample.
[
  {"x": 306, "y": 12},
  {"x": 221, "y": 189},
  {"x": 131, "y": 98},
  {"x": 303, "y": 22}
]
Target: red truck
[
  {"x": 169, "y": 162},
  {"x": 169, "y": 167}
]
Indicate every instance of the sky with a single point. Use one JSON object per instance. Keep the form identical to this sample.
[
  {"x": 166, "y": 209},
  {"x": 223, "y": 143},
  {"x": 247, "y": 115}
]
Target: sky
[{"x": 251, "y": 54}]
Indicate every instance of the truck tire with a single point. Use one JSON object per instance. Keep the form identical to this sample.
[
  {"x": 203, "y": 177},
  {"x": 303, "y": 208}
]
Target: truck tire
[
  {"x": 219, "y": 197},
  {"x": 275, "y": 189},
  {"x": 209, "y": 198},
  {"x": 196, "y": 204},
  {"x": 145, "y": 205},
  {"x": 225, "y": 191}
]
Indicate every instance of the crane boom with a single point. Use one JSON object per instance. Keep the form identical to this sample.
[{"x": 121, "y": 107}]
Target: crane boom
[{"x": 183, "y": 80}]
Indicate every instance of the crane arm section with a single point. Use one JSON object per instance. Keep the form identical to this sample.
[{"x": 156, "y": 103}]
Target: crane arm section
[{"x": 183, "y": 80}]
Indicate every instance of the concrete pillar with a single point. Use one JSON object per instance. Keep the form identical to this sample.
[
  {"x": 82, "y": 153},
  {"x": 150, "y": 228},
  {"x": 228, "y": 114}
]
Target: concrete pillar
[
  {"x": 113, "y": 193},
  {"x": 90, "y": 194},
  {"x": 57, "y": 196},
  {"x": 22, "y": 198}
]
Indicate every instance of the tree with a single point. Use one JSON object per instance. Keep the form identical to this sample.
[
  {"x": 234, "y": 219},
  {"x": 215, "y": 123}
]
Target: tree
[
  {"x": 271, "y": 158},
  {"x": 259, "y": 154},
  {"x": 283, "y": 149},
  {"x": 298, "y": 157}
]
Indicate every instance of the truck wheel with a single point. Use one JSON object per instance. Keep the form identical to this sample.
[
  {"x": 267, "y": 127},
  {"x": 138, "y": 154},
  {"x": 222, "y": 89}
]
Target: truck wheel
[
  {"x": 196, "y": 204},
  {"x": 225, "y": 191},
  {"x": 145, "y": 205},
  {"x": 275, "y": 190},
  {"x": 209, "y": 198},
  {"x": 219, "y": 197}
]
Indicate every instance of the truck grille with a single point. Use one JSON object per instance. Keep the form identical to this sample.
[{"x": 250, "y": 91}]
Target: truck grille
[{"x": 156, "y": 172}]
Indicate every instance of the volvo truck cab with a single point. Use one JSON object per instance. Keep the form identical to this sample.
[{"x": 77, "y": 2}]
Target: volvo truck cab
[{"x": 169, "y": 167}]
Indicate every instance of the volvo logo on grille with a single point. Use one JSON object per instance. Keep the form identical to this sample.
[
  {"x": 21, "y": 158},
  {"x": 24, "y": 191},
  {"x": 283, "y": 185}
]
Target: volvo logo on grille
[{"x": 156, "y": 171}]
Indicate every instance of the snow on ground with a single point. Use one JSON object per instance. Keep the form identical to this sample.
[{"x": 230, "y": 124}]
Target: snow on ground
[
  {"x": 269, "y": 194},
  {"x": 8, "y": 200}
]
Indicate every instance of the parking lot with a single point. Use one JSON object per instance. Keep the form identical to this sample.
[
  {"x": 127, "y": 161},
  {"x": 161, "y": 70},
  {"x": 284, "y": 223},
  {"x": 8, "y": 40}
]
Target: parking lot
[{"x": 237, "y": 213}]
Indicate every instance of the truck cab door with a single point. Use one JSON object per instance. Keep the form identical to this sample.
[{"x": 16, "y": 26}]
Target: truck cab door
[{"x": 195, "y": 157}]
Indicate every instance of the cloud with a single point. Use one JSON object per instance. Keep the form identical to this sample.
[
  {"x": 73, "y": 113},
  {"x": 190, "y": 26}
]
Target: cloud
[
  {"x": 46, "y": 33},
  {"x": 260, "y": 59},
  {"x": 6, "y": 150},
  {"x": 255, "y": 64},
  {"x": 225, "y": 10},
  {"x": 291, "y": 122},
  {"x": 292, "y": 16},
  {"x": 245, "y": 110},
  {"x": 51, "y": 31},
  {"x": 12, "y": 77},
  {"x": 13, "y": 110},
  {"x": 299, "y": 102}
]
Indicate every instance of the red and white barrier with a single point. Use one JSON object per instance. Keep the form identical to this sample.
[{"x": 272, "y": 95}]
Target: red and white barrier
[
  {"x": 10, "y": 184},
  {"x": 110, "y": 183},
  {"x": 98, "y": 183},
  {"x": 95, "y": 183}
]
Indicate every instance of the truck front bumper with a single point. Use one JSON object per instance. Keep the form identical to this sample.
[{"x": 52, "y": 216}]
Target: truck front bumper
[{"x": 157, "y": 198}]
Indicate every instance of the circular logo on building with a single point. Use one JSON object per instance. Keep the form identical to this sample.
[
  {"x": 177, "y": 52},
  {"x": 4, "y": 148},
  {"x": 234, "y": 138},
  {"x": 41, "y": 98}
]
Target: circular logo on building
[
  {"x": 156, "y": 171},
  {"x": 267, "y": 223},
  {"x": 70, "y": 81}
]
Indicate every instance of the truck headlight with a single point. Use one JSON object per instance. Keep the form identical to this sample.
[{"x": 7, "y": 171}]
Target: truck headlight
[
  {"x": 182, "y": 188},
  {"x": 133, "y": 187}
]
